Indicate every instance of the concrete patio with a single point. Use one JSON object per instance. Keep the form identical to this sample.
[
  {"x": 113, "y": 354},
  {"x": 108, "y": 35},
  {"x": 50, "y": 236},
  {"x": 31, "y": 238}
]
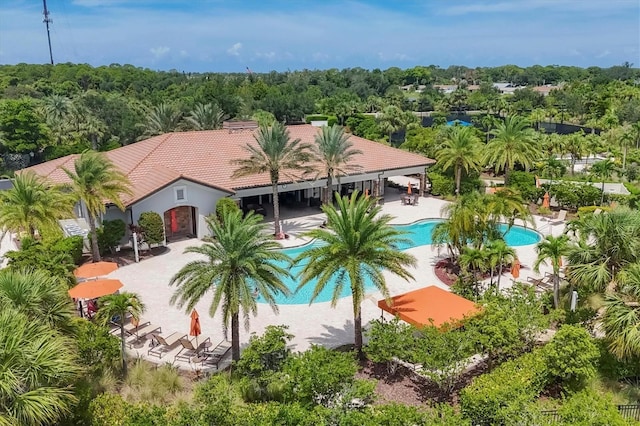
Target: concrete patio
[{"x": 318, "y": 323}]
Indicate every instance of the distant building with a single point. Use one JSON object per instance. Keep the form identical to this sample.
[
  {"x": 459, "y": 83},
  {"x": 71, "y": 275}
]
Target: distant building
[{"x": 546, "y": 89}]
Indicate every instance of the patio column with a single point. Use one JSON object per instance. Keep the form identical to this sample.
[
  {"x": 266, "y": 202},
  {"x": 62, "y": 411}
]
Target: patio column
[
  {"x": 423, "y": 184},
  {"x": 376, "y": 188}
]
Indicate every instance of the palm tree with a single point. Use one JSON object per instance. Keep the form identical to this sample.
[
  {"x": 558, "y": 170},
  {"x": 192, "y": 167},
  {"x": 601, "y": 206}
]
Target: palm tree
[
  {"x": 460, "y": 151},
  {"x": 621, "y": 318},
  {"x": 96, "y": 179},
  {"x": 38, "y": 295},
  {"x": 31, "y": 205},
  {"x": 537, "y": 116},
  {"x": 358, "y": 244},
  {"x": 502, "y": 253},
  {"x": 513, "y": 143},
  {"x": 608, "y": 243},
  {"x": 552, "y": 249},
  {"x": 205, "y": 117},
  {"x": 576, "y": 146},
  {"x": 276, "y": 154},
  {"x": 603, "y": 170},
  {"x": 335, "y": 152},
  {"x": 507, "y": 205},
  {"x": 240, "y": 262},
  {"x": 120, "y": 306},
  {"x": 163, "y": 118},
  {"x": 38, "y": 366}
]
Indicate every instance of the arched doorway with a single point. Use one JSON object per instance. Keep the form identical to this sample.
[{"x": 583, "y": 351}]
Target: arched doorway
[{"x": 180, "y": 222}]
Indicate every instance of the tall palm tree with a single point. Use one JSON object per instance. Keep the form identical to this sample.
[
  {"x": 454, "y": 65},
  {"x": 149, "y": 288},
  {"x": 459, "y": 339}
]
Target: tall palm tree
[
  {"x": 38, "y": 366},
  {"x": 240, "y": 262},
  {"x": 95, "y": 179},
  {"x": 537, "y": 116},
  {"x": 552, "y": 249},
  {"x": 276, "y": 154},
  {"x": 502, "y": 253},
  {"x": 603, "y": 170},
  {"x": 474, "y": 260},
  {"x": 32, "y": 205},
  {"x": 576, "y": 146},
  {"x": 205, "y": 117},
  {"x": 507, "y": 205},
  {"x": 513, "y": 143},
  {"x": 335, "y": 152},
  {"x": 358, "y": 244},
  {"x": 120, "y": 306},
  {"x": 460, "y": 151}
]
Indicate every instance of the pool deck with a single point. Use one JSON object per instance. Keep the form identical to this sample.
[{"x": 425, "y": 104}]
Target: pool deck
[{"x": 318, "y": 323}]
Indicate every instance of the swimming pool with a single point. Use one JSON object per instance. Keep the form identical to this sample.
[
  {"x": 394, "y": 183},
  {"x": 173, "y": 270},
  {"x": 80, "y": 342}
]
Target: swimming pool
[{"x": 419, "y": 233}]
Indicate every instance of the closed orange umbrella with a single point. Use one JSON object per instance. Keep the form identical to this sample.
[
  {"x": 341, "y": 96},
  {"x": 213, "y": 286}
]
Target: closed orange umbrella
[
  {"x": 195, "y": 329},
  {"x": 409, "y": 188},
  {"x": 545, "y": 200},
  {"x": 515, "y": 269},
  {"x": 94, "y": 289},
  {"x": 97, "y": 269},
  {"x": 366, "y": 193}
]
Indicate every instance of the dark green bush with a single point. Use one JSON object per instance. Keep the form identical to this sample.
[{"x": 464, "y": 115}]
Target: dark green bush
[
  {"x": 110, "y": 234},
  {"x": 501, "y": 396},
  {"x": 152, "y": 227},
  {"x": 316, "y": 117},
  {"x": 224, "y": 204},
  {"x": 571, "y": 357},
  {"x": 441, "y": 184},
  {"x": 69, "y": 245},
  {"x": 332, "y": 120},
  {"x": 588, "y": 408},
  {"x": 525, "y": 183},
  {"x": 574, "y": 195}
]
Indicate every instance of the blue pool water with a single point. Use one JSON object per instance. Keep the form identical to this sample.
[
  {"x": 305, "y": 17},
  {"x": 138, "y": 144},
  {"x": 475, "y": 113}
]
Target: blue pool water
[{"x": 419, "y": 233}]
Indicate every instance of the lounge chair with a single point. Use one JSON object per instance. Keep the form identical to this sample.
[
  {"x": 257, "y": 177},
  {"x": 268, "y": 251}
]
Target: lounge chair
[
  {"x": 164, "y": 344},
  {"x": 597, "y": 211},
  {"x": 141, "y": 332},
  {"x": 189, "y": 350},
  {"x": 559, "y": 220},
  {"x": 216, "y": 355}
]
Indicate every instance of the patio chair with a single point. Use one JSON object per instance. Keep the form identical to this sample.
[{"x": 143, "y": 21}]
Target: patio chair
[
  {"x": 164, "y": 344},
  {"x": 217, "y": 354},
  {"x": 597, "y": 211},
  {"x": 559, "y": 220},
  {"x": 141, "y": 332},
  {"x": 416, "y": 199},
  {"x": 189, "y": 350}
]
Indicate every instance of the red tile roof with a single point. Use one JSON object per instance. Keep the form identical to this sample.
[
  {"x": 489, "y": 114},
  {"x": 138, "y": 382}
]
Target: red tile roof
[{"x": 205, "y": 157}]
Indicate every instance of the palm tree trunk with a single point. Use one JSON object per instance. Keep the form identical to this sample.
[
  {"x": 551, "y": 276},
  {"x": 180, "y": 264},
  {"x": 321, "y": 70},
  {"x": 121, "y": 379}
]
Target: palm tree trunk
[
  {"x": 573, "y": 164},
  {"x": 499, "y": 275},
  {"x": 458, "y": 179},
  {"x": 506, "y": 174},
  {"x": 556, "y": 289},
  {"x": 124, "y": 352},
  {"x": 329, "y": 192},
  {"x": 602, "y": 197},
  {"x": 276, "y": 207},
  {"x": 357, "y": 329},
  {"x": 95, "y": 250},
  {"x": 235, "y": 337}
]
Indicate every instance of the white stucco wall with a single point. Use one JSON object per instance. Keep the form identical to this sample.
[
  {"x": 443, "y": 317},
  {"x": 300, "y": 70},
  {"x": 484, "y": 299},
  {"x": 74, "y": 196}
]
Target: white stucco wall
[{"x": 201, "y": 197}]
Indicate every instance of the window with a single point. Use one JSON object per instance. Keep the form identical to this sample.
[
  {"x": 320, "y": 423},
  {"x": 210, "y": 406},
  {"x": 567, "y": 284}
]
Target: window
[{"x": 180, "y": 193}]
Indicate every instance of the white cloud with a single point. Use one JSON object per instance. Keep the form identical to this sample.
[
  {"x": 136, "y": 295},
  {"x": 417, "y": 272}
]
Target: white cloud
[
  {"x": 235, "y": 49},
  {"x": 270, "y": 56},
  {"x": 184, "y": 54},
  {"x": 160, "y": 51},
  {"x": 603, "y": 54},
  {"x": 320, "y": 57},
  {"x": 548, "y": 5}
]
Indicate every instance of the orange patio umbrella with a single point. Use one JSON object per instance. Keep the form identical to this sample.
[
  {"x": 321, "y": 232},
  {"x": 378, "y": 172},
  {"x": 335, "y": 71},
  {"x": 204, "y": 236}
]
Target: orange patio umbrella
[
  {"x": 409, "y": 188},
  {"x": 97, "y": 269},
  {"x": 195, "y": 329},
  {"x": 545, "y": 200},
  {"x": 94, "y": 289},
  {"x": 515, "y": 269},
  {"x": 366, "y": 193}
]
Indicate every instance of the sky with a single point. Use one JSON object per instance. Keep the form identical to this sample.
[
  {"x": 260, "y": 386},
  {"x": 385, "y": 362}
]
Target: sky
[{"x": 265, "y": 35}]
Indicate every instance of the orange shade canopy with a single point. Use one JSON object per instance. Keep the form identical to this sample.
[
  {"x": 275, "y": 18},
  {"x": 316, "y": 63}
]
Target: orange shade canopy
[
  {"x": 430, "y": 306},
  {"x": 195, "y": 329},
  {"x": 93, "y": 289},
  {"x": 97, "y": 269},
  {"x": 409, "y": 188},
  {"x": 515, "y": 269}
]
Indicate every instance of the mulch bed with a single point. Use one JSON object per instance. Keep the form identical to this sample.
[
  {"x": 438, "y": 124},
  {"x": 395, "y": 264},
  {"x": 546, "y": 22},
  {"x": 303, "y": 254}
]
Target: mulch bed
[
  {"x": 444, "y": 270},
  {"x": 126, "y": 256}
]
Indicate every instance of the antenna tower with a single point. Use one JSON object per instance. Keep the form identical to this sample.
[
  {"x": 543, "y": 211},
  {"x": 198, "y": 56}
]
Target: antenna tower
[{"x": 47, "y": 21}]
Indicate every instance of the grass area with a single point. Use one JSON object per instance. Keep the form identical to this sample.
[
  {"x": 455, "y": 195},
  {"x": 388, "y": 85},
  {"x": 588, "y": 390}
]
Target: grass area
[{"x": 161, "y": 385}]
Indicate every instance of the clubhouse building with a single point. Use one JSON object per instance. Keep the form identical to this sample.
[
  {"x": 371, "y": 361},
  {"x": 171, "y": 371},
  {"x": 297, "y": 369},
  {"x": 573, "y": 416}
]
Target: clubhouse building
[{"x": 182, "y": 175}]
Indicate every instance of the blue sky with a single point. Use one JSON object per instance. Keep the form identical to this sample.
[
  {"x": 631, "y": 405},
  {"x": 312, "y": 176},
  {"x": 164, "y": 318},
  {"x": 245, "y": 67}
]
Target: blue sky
[{"x": 216, "y": 35}]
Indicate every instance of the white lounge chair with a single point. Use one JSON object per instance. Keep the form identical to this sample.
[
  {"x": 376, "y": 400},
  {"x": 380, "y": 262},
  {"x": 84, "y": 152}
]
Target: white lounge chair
[
  {"x": 164, "y": 344},
  {"x": 216, "y": 355},
  {"x": 560, "y": 219},
  {"x": 189, "y": 349}
]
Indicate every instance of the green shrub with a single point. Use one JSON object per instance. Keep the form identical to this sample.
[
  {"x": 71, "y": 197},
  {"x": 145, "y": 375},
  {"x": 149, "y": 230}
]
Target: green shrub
[
  {"x": 388, "y": 340},
  {"x": 441, "y": 184},
  {"x": 332, "y": 120},
  {"x": 56, "y": 257},
  {"x": 571, "y": 196},
  {"x": 586, "y": 210},
  {"x": 502, "y": 395},
  {"x": 69, "y": 245},
  {"x": 98, "y": 349},
  {"x": 110, "y": 234},
  {"x": 108, "y": 410},
  {"x": 571, "y": 357},
  {"x": 224, "y": 204},
  {"x": 316, "y": 117},
  {"x": 525, "y": 183},
  {"x": 152, "y": 227},
  {"x": 587, "y": 408}
]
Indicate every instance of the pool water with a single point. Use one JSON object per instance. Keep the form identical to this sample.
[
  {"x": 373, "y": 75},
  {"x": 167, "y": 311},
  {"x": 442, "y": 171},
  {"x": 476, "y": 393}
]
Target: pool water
[{"x": 419, "y": 234}]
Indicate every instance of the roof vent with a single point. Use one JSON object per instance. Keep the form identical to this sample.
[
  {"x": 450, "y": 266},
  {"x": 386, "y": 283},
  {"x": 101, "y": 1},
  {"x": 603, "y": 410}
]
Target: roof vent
[{"x": 238, "y": 126}]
